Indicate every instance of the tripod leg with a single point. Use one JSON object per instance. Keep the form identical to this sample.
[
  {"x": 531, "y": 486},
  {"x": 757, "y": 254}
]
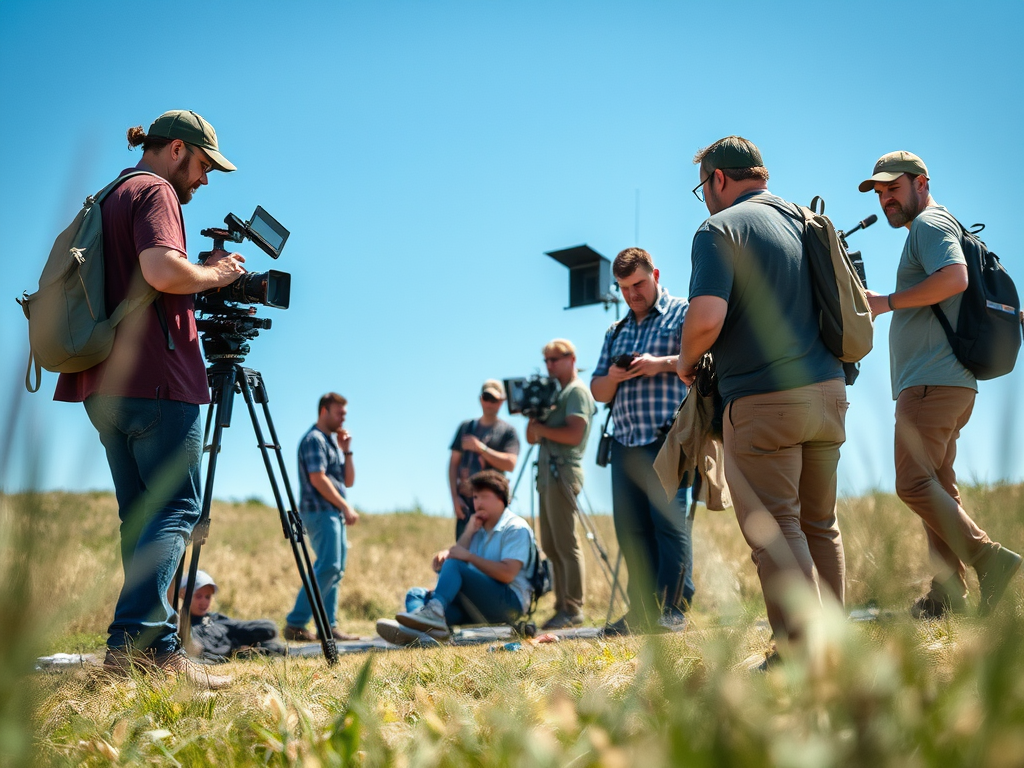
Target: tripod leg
[
  {"x": 222, "y": 388},
  {"x": 290, "y": 520},
  {"x": 611, "y": 602}
]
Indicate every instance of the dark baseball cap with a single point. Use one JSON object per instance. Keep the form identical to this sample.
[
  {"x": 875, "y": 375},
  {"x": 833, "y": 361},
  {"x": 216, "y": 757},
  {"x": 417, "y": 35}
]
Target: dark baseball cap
[
  {"x": 732, "y": 152},
  {"x": 893, "y": 165},
  {"x": 192, "y": 129}
]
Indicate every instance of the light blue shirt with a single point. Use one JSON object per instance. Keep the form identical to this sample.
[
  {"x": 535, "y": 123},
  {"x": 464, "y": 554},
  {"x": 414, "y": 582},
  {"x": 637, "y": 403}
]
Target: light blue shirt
[{"x": 510, "y": 539}]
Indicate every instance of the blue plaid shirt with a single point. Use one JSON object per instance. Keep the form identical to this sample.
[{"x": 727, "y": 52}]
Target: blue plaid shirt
[
  {"x": 645, "y": 404},
  {"x": 318, "y": 452}
]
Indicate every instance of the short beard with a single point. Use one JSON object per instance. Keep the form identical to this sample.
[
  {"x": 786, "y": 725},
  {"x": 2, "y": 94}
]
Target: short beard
[
  {"x": 903, "y": 216},
  {"x": 179, "y": 180}
]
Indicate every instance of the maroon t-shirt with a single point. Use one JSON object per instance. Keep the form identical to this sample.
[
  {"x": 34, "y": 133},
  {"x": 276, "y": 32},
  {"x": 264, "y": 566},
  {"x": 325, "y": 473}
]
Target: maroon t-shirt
[{"x": 143, "y": 212}]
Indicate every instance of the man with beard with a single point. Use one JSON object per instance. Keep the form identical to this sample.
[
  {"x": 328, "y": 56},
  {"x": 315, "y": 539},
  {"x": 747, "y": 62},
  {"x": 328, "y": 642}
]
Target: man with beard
[
  {"x": 326, "y": 469},
  {"x": 144, "y": 398},
  {"x": 637, "y": 373},
  {"x": 785, "y": 400},
  {"x": 934, "y": 392}
]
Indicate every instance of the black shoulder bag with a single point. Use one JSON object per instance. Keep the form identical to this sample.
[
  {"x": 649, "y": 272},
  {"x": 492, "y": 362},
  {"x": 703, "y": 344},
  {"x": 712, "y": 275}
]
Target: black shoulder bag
[{"x": 604, "y": 447}]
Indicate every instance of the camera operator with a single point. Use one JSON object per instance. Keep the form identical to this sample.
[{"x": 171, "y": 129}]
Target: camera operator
[
  {"x": 484, "y": 443},
  {"x": 326, "y": 469},
  {"x": 144, "y": 398},
  {"x": 637, "y": 372},
  {"x": 563, "y": 439}
]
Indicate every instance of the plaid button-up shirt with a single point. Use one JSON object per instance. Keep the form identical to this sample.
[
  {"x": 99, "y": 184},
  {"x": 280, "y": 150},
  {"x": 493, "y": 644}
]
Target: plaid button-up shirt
[
  {"x": 645, "y": 404},
  {"x": 318, "y": 452}
]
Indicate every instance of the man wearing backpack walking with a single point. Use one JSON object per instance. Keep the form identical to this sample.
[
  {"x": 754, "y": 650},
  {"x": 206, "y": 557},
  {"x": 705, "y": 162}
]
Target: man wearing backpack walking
[
  {"x": 144, "y": 397},
  {"x": 933, "y": 390},
  {"x": 783, "y": 390}
]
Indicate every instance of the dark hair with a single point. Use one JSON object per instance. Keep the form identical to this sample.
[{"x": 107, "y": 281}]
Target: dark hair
[
  {"x": 331, "y": 398},
  {"x": 137, "y": 137},
  {"x": 491, "y": 480},
  {"x": 628, "y": 260}
]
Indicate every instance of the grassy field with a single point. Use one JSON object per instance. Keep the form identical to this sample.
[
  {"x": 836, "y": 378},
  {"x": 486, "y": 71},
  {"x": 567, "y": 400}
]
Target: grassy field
[{"x": 891, "y": 692}]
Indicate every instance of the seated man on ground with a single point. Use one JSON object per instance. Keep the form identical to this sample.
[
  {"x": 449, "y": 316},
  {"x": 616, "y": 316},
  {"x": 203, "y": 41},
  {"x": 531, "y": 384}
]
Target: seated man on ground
[
  {"x": 218, "y": 636},
  {"x": 483, "y": 579}
]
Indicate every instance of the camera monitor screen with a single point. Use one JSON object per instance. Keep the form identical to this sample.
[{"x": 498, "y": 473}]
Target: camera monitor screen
[{"x": 267, "y": 232}]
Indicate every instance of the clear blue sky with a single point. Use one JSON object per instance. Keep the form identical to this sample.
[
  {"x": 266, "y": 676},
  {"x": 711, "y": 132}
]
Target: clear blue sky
[{"x": 424, "y": 155}]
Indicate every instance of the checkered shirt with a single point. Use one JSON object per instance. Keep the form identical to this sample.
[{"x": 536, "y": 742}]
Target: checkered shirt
[
  {"x": 318, "y": 452},
  {"x": 646, "y": 403}
]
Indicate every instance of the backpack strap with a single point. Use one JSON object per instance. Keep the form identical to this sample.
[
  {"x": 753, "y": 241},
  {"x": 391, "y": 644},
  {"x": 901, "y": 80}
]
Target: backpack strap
[
  {"x": 947, "y": 328},
  {"x": 618, "y": 329}
]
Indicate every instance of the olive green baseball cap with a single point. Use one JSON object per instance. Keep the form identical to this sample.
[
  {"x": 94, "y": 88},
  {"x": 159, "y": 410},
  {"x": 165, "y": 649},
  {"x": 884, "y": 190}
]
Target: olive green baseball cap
[
  {"x": 732, "y": 152},
  {"x": 893, "y": 165},
  {"x": 192, "y": 129}
]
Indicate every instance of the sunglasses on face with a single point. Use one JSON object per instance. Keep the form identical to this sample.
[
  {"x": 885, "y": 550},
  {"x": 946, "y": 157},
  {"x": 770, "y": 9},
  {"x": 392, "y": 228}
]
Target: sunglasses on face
[{"x": 488, "y": 397}]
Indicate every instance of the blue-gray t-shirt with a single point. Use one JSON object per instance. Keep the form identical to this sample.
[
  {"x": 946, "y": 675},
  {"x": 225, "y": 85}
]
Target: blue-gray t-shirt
[
  {"x": 510, "y": 539},
  {"x": 919, "y": 352},
  {"x": 752, "y": 256}
]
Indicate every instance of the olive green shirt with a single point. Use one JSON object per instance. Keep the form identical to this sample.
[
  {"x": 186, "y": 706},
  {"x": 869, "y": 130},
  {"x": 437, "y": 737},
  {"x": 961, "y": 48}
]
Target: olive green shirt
[{"x": 574, "y": 400}]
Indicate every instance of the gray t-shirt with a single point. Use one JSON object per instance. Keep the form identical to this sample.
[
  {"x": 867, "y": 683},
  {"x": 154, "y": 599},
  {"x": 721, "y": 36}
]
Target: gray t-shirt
[
  {"x": 510, "y": 539},
  {"x": 752, "y": 256},
  {"x": 499, "y": 436},
  {"x": 574, "y": 400},
  {"x": 919, "y": 352}
]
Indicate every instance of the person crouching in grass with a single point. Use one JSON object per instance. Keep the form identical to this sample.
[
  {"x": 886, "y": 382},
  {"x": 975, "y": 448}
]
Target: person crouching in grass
[{"x": 483, "y": 579}]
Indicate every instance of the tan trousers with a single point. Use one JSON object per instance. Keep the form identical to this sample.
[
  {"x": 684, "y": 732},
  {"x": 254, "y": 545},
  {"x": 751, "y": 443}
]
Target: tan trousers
[
  {"x": 928, "y": 423},
  {"x": 558, "y": 536},
  {"x": 781, "y": 455}
]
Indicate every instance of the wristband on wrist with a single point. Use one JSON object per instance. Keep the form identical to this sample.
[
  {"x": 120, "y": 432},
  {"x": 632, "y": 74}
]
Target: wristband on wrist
[
  {"x": 888, "y": 300},
  {"x": 348, "y": 453}
]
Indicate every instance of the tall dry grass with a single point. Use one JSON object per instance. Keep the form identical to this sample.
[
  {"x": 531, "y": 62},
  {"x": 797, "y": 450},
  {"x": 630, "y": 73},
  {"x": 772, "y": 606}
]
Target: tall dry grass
[{"x": 893, "y": 692}]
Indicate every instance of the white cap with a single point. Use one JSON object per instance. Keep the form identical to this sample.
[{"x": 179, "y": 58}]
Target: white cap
[{"x": 203, "y": 579}]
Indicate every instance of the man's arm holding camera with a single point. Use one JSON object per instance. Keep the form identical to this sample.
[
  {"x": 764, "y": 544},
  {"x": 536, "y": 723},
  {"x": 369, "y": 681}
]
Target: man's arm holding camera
[
  {"x": 603, "y": 388},
  {"x": 571, "y": 434},
  {"x": 325, "y": 488},
  {"x": 703, "y": 324},
  {"x": 169, "y": 271}
]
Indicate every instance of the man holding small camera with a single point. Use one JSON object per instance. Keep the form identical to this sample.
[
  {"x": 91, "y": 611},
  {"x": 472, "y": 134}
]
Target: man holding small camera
[
  {"x": 637, "y": 374},
  {"x": 562, "y": 436},
  {"x": 144, "y": 398},
  {"x": 484, "y": 443}
]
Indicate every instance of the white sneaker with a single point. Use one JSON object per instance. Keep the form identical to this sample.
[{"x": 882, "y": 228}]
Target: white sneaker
[
  {"x": 426, "y": 617},
  {"x": 396, "y": 634}
]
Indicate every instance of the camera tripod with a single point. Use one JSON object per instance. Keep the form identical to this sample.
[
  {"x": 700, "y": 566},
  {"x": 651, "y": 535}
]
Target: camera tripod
[
  {"x": 227, "y": 377},
  {"x": 611, "y": 572}
]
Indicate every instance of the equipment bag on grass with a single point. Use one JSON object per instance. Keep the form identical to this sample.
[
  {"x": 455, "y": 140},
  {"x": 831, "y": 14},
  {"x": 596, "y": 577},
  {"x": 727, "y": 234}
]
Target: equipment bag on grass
[
  {"x": 69, "y": 328},
  {"x": 844, "y": 316},
  {"x": 988, "y": 331}
]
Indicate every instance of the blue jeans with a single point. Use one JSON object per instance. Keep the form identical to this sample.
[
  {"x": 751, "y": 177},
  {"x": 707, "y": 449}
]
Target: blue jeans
[
  {"x": 654, "y": 533},
  {"x": 327, "y": 538},
  {"x": 153, "y": 448},
  {"x": 468, "y": 596}
]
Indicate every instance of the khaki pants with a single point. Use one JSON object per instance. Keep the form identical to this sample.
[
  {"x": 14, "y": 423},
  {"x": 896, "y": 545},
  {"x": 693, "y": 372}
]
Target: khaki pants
[
  {"x": 781, "y": 455},
  {"x": 928, "y": 423},
  {"x": 558, "y": 536}
]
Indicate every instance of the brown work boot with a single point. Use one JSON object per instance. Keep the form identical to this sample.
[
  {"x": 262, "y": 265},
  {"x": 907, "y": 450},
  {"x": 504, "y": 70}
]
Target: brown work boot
[
  {"x": 299, "y": 635},
  {"x": 122, "y": 662},
  {"x": 341, "y": 637},
  {"x": 995, "y": 569},
  {"x": 179, "y": 666}
]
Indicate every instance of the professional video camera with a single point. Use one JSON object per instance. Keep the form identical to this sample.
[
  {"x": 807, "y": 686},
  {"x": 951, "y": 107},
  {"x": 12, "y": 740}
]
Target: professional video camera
[
  {"x": 534, "y": 397},
  {"x": 226, "y": 326}
]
